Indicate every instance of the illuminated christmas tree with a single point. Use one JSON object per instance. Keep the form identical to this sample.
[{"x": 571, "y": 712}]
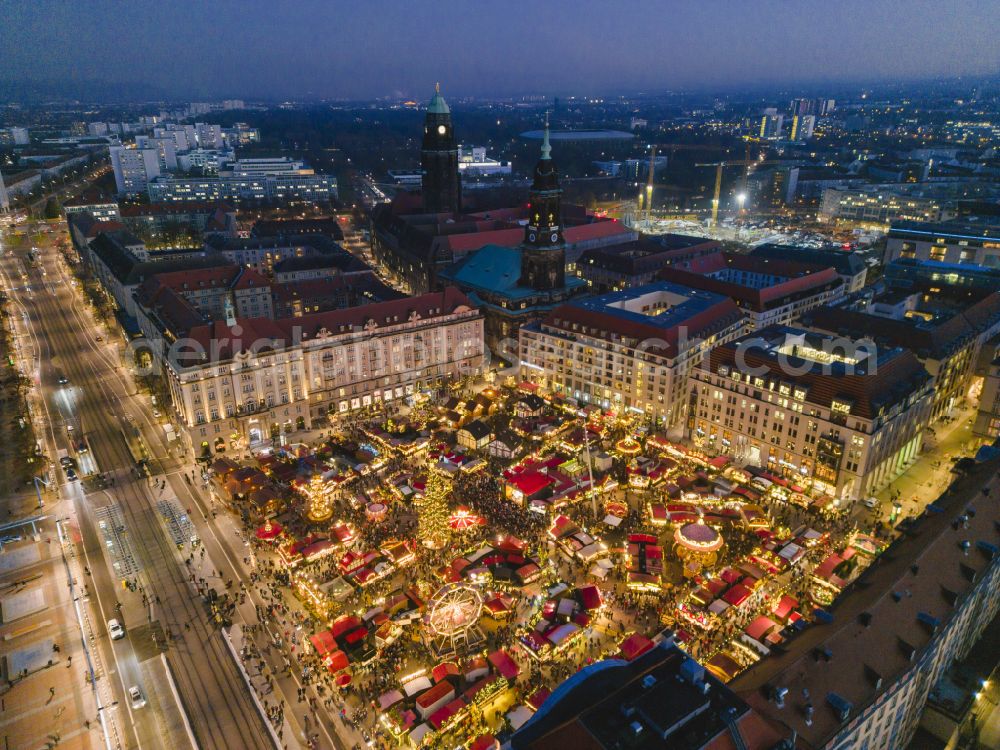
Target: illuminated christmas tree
[
  {"x": 320, "y": 507},
  {"x": 433, "y": 509}
]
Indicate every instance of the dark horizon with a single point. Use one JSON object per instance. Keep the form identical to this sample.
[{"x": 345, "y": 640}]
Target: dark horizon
[{"x": 316, "y": 50}]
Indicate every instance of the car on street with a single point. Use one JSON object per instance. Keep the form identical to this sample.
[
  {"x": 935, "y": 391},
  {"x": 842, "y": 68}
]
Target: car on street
[
  {"x": 870, "y": 502},
  {"x": 71, "y": 475},
  {"x": 63, "y": 380},
  {"x": 157, "y": 414},
  {"x": 136, "y": 697},
  {"x": 115, "y": 629}
]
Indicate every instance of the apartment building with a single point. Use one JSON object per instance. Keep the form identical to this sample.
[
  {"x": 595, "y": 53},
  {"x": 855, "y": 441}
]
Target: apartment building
[
  {"x": 769, "y": 291},
  {"x": 846, "y": 416},
  {"x": 134, "y": 168},
  {"x": 631, "y": 349}
]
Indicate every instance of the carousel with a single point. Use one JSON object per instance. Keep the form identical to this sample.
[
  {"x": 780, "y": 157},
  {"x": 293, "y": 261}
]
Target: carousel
[
  {"x": 451, "y": 625},
  {"x": 697, "y": 545}
]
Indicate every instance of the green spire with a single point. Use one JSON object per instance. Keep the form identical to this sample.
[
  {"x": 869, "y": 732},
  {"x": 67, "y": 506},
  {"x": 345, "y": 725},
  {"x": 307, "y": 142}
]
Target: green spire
[
  {"x": 546, "y": 148},
  {"x": 437, "y": 104}
]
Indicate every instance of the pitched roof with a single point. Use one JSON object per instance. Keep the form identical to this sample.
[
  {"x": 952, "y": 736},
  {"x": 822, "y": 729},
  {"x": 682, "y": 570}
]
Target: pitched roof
[
  {"x": 869, "y": 387},
  {"x": 262, "y": 332},
  {"x": 884, "y": 621}
]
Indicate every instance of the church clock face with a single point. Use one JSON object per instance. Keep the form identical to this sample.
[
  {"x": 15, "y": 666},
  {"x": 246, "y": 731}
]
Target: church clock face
[
  {"x": 531, "y": 237},
  {"x": 554, "y": 237},
  {"x": 442, "y": 129}
]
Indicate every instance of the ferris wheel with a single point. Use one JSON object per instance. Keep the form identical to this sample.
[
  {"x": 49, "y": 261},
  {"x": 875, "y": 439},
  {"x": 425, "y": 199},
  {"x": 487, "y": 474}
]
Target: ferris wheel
[{"x": 452, "y": 620}]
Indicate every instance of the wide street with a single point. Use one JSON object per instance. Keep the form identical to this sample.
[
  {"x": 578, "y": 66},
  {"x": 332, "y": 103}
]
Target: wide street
[{"x": 124, "y": 532}]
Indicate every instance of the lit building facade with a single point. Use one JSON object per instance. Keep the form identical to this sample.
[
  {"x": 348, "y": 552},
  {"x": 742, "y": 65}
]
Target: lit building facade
[
  {"x": 631, "y": 349},
  {"x": 951, "y": 242},
  {"x": 134, "y": 168},
  {"x": 251, "y": 380},
  {"x": 846, "y": 416},
  {"x": 875, "y": 206}
]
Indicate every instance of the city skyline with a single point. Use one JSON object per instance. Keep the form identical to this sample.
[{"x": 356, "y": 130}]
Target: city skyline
[{"x": 317, "y": 50}]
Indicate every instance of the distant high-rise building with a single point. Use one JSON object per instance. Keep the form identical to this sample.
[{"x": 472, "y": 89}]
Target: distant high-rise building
[
  {"x": 134, "y": 168},
  {"x": 770, "y": 126},
  {"x": 441, "y": 188},
  {"x": 826, "y": 106},
  {"x": 209, "y": 136},
  {"x": 165, "y": 147},
  {"x": 802, "y": 127},
  {"x": 4, "y": 201},
  {"x": 803, "y": 106}
]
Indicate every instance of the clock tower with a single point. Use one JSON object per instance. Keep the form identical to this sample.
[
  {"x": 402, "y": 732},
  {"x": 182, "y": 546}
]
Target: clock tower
[
  {"x": 439, "y": 159},
  {"x": 543, "y": 258}
]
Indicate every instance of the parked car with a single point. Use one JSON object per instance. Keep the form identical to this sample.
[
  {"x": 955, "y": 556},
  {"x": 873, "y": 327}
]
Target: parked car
[
  {"x": 115, "y": 629},
  {"x": 870, "y": 502}
]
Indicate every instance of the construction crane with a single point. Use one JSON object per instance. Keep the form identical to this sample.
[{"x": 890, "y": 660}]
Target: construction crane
[
  {"x": 644, "y": 201},
  {"x": 719, "y": 166}
]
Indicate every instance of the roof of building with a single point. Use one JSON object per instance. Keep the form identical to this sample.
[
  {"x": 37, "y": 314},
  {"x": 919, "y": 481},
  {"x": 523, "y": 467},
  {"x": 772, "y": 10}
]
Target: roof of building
[
  {"x": 129, "y": 271},
  {"x": 496, "y": 269},
  {"x": 782, "y": 281},
  {"x": 661, "y": 699},
  {"x": 290, "y": 227},
  {"x": 437, "y": 105},
  {"x": 477, "y": 429},
  {"x": 877, "y": 381},
  {"x": 580, "y": 135},
  {"x": 959, "y": 229},
  {"x": 654, "y": 315},
  {"x": 262, "y": 333},
  {"x": 346, "y": 263},
  {"x": 883, "y": 621},
  {"x": 310, "y": 291},
  {"x": 645, "y": 255},
  {"x": 844, "y": 263},
  {"x": 936, "y": 338},
  {"x": 172, "y": 209}
]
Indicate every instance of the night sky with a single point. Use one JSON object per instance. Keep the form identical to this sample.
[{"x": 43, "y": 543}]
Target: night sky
[{"x": 329, "y": 48}]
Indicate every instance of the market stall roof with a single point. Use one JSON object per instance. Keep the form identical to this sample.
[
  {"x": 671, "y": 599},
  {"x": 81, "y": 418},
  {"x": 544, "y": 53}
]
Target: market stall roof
[
  {"x": 736, "y": 595},
  {"x": 539, "y": 697},
  {"x": 442, "y": 670},
  {"x": 590, "y": 597},
  {"x": 417, "y": 685},
  {"x": 758, "y": 627},
  {"x": 504, "y": 664},
  {"x": 484, "y": 742},
  {"x": 337, "y": 661},
  {"x": 518, "y": 717},
  {"x": 418, "y": 733},
  {"x": 269, "y": 531},
  {"x": 440, "y": 717},
  {"x": 389, "y": 699},
  {"x": 724, "y": 667},
  {"x": 784, "y": 607},
  {"x": 324, "y": 642},
  {"x": 635, "y": 645}
]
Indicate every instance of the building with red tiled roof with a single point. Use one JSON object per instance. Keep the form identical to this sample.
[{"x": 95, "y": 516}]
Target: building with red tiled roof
[
  {"x": 772, "y": 292},
  {"x": 860, "y": 676},
  {"x": 417, "y": 246},
  {"x": 631, "y": 349},
  {"x": 946, "y": 330},
  {"x": 257, "y": 377},
  {"x": 848, "y": 415}
]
